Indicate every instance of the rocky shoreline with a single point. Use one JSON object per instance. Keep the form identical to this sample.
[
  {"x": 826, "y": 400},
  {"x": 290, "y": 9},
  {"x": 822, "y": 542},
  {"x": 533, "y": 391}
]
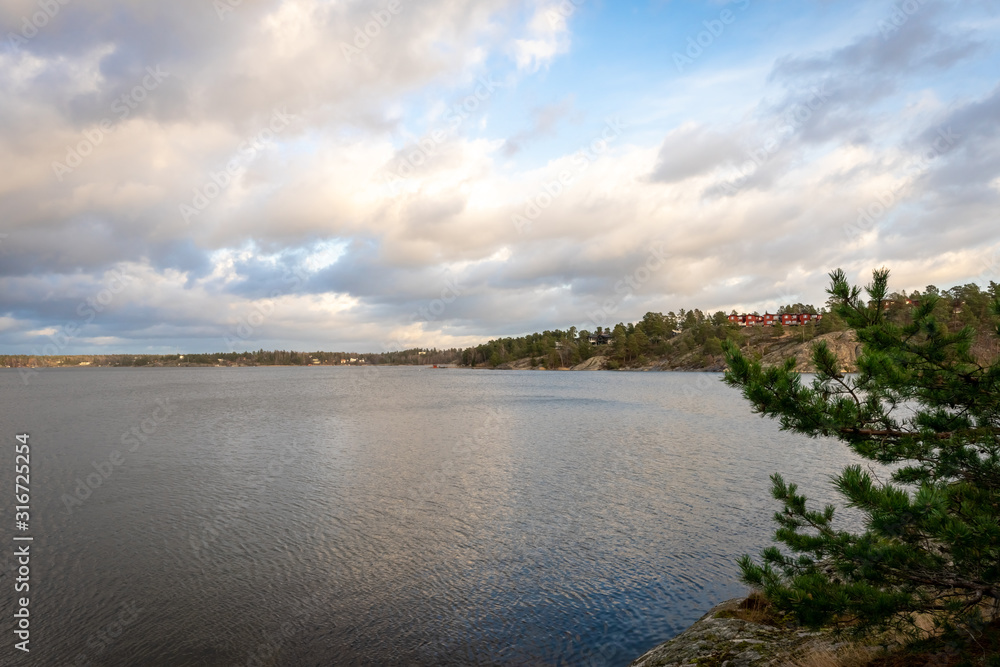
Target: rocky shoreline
[
  {"x": 739, "y": 633},
  {"x": 843, "y": 344}
]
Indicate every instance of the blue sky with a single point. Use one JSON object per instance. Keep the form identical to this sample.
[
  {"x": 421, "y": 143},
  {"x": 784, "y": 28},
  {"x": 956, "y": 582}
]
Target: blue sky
[{"x": 205, "y": 177}]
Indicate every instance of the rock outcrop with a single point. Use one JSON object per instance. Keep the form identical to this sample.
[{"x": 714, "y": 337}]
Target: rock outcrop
[
  {"x": 592, "y": 364},
  {"x": 843, "y": 344},
  {"x": 725, "y": 638}
]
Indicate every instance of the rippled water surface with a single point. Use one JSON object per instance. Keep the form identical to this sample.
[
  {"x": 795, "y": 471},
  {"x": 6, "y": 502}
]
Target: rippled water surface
[{"x": 397, "y": 516}]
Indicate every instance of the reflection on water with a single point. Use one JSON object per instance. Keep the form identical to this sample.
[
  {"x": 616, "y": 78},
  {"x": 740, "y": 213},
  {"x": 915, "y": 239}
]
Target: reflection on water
[{"x": 304, "y": 516}]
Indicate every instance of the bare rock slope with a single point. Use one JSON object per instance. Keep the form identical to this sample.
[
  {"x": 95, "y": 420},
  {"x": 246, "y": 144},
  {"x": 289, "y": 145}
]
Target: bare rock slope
[
  {"x": 723, "y": 637},
  {"x": 844, "y": 344}
]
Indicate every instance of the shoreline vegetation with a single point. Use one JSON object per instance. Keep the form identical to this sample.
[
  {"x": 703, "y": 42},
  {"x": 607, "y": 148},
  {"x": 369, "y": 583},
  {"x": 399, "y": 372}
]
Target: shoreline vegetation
[
  {"x": 693, "y": 340},
  {"x": 763, "y": 344},
  {"x": 688, "y": 340}
]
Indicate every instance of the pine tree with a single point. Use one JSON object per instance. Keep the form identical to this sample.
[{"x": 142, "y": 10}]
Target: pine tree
[
  {"x": 619, "y": 341},
  {"x": 922, "y": 405}
]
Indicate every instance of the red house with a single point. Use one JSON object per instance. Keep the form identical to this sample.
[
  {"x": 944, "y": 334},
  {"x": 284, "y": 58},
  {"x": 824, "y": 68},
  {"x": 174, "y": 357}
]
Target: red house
[
  {"x": 769, "y": 320},
  {"x": 795, "y": 319}
]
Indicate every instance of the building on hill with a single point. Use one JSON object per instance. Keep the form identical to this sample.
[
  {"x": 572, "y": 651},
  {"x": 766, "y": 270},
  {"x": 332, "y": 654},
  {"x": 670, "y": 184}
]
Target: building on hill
[
  {"x": 795, "y": 319},
  {"x": 769, "y": 320}
]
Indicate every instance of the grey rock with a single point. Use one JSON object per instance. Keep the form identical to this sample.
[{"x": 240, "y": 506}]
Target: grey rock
[{"x": 733, "y": 642}]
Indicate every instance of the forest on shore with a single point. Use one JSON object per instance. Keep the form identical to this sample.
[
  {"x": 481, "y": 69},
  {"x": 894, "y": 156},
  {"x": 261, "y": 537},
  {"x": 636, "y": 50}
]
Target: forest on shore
[
  {"x": 692, "y": 339},
  {"x": 682, "y": 340}
]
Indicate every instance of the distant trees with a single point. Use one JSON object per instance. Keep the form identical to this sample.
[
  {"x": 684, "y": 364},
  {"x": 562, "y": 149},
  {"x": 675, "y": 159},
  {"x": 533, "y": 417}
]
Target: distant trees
[
  {"x": 537, "y": 345},
  {"x": 712, "y": 347},
  {"x": 584, "y": 350},
  {"x": 628, "y": 343},
  {"x": 798, "y": 308},
  {"x": 619, "y": 342},
  {"x": 654, "y": 325},
  {"x": 807, "y": 331},
  {"x": 246, "y": 358},
  {"x": 830, "y": 323},
  {"x": 640, "y": 340},
  {"x": 691, "y": 319},
  {"x": 656, "y": 336},
  {"x": 676, "y": 334}
]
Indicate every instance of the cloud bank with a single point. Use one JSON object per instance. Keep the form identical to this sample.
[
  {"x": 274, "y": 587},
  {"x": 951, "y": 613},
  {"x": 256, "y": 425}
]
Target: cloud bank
[{"x": 372, "y": 175}]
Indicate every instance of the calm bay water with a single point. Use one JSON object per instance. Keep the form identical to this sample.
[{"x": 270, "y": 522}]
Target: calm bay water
[{"x": 328, "y": 516}]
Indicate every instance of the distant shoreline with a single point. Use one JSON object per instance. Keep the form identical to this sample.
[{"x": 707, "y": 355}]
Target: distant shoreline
[
  {"x": 771, "y": 351},
  {"x": 346, "y": 366}
]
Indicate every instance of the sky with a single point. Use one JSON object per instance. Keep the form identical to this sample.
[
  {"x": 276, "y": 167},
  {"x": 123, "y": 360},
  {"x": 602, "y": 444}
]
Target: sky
[{"x": 223, "y": 175}]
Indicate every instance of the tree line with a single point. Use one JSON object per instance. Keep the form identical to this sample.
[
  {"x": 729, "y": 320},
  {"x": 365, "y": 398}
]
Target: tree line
[
  {"x": 698, "y": 336},
  {"x": 414, "y": 356},
  {"x": 692, "y": 335}
]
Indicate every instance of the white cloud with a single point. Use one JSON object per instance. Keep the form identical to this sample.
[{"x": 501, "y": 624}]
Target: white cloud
[{"x": 549, "y": 37}]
